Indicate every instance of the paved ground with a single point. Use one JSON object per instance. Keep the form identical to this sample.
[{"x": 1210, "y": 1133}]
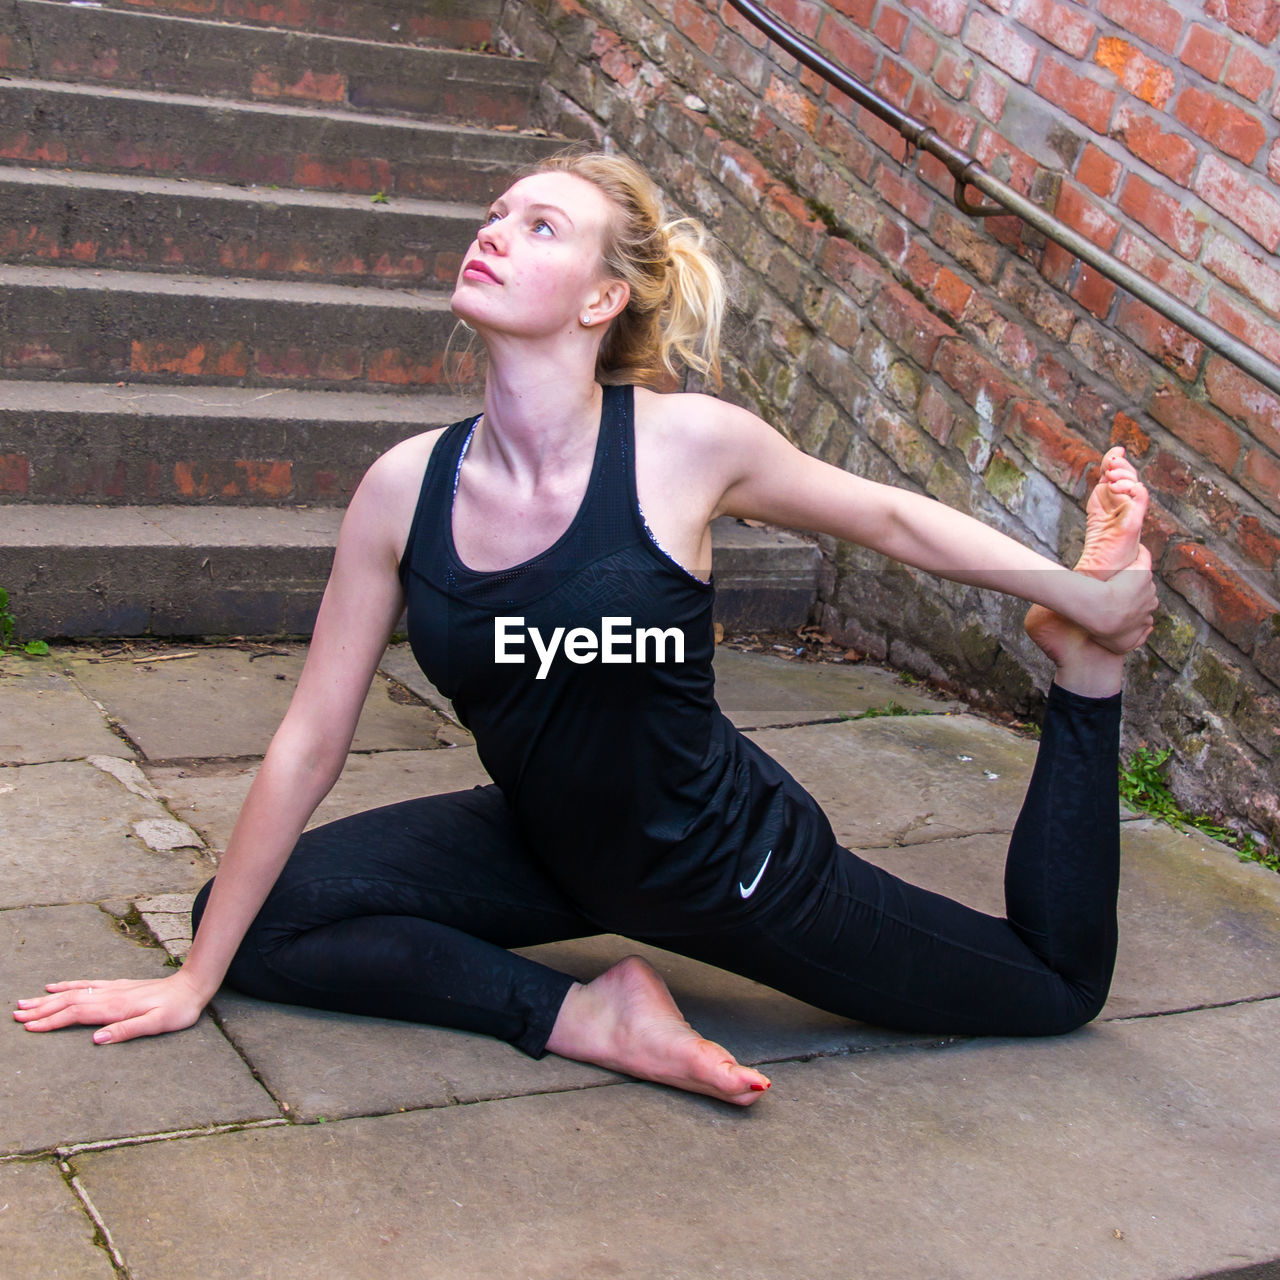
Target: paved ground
[{"x": 272, "y": 1142}]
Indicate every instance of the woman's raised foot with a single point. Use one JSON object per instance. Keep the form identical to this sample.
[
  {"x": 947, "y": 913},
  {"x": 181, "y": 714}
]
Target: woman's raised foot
[{"x": 626, "y": 1020}]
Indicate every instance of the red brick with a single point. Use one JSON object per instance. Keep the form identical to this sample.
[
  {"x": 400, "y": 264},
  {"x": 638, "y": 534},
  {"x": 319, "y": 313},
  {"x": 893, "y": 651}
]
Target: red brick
[
  {"x": 1169, "y": 275},
  {"x": 1258, "y": 19},
  {"x": 13, "y": 56},
  {"x": 1261, "y": 476},
  {"x": 1229, "y": 128},
  {"x": 1246, "y": 400},
  {"x": 1059, "y": 453},
  {"x": 991, "y": 39},
  {"x": 1125, "y": 431},
  {"x": 394, "y": 366},
  {"x": 740, "y": 173},
  {"x": 1021, "y": 167},
  {"x": 1059, "y": 24},
  {"x": 694, "y": 22},
  {"x": 1144, "y": 77},
  {"x": 271, "y": 479},
  {"x": 838, "y": 135},
  {"x": 894, "y": 83},
  {"x": 849, "y": 49},
  {"x": 1082, "y": 213},
  {"x": 860, "y": 275},
  {"x": 324, "y": 88},
  {"x": 904, "y": 195},
  {"x": 1163, "y": 216},
  {"x": 1170, "y": 153},
  {"x": 1248, "y": 75},
  {"x": 799, "y": 108},
  {"x": 1169, "y": 343},
  {"x": 955, "y": 126},
  {"x": 935, "y": 414},
  {"x": 1258, "y": 542},
  {"x": 1241, "y": 199},
  {"x": 1273, "y": 162},
  {"x": 909, "y": 324},
  {"x": 1167, "y": 474},
  {"x": 805, "y": 16},
  {"x": 1196, "y": 425},
  {"x": 1216, "y": 592},
  {"x": 788, "y": 217},
  {"x": 946, "y": 16},
  {"x": 950, "y": 293},
  {"x": 191, "y": 359},
  {"x": 891, "y": 28},
  {"x": 1093, "y": 291},
  {"x": 953, "y": 75},
  {"x": 978, "y": 382},
  {"x": 1243, "y": 271},
  {"x": 1090, "y": 103},
  {"x": 885, "y": 136},
  {"x": 921, "y": 48},
  {"x": 1098, "y": 171},
  {"x": 1205, "y": 51},
  {"x": 15, "y": 473},
  {"x": 989, "y": 96},
  {"x": 1262, "y": 336},
  {"x": 1151, "y": 20}
]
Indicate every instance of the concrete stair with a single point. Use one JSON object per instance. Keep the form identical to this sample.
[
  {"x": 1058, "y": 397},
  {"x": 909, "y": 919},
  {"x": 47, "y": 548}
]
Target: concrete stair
[{"x": 228, "y": 230}]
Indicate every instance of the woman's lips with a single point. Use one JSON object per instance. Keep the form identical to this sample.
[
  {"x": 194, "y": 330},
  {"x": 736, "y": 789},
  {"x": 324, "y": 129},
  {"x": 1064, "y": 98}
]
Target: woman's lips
[{"x": 477, "y": 270}]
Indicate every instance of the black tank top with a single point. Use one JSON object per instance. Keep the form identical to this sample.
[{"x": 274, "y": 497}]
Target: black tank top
[{"x": 585, "y": 675}]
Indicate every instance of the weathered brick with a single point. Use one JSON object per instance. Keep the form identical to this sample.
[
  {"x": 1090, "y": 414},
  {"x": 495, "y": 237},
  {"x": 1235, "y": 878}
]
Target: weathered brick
[
  {"x": 1216, "y": 592},
  {"x": 894, "y": 82},
  {"x": 1258, "y": 19},
  {"x": 1093, "y": 291},
  {"x": 1082, "y": 213},
  {"x": 1249, "y": 75},
  {"x": 989, "y": 96},
  {"x": 1230, "y": 129},
  {"x": 1196, "y": 425},
  {"x": 967, "y": 243},
  {"x": 991, "y": 39},
  {"x": 1273, "y": 162},
  {"x": 936, "y": 416},
  {"x": 859, "y": 10},
  {"x": 836, "y": 134},
  {"x": 1167, "y": 474},
  {"x": 1126, "y": 431},
  {"x": 850, "y": 49},
  {"x": 191, "y": 359},
  {"x": 1160, "y": 269},
  {"x": 1246, "y": 400},
  {"x": 1205, "y": 51},
  {"x": 955, "y": 126},
  {"x": 799, "y": 108},
  {"x": 1261, "y": 476},
  {"x": 950, "y": 293},
  {"x": 1098, "y": 171},
  {"x": 1262, "y": 335},
  {"x": 1241, "y": 199},
  {"x": 15, "y": 473},
  {"x": 1243, "y": 271},
  {"x": 905, "y": 195},
  {"x": 885, "y": 136},
  {"x": 1047, "y": 442},
  {"x": 849, "y": 266},
  {"x": 326, "y": 89},
  {"x": 1170, "y": 153},
  {"x": 741, "y": 173},
  {"x": 909, "y": 324},
  {"x": 1173, "y": 222},
  {"x": 977, "y": 381},
  {"x": 1059, "y": 24},
  {"x": 953, "y": 74},
  {"x": 1144, "y": 77},
  {"x": 891, "y": 28},
  {"x": 1167, "y": 342},
  {"x": 946, "y": 16},
  {"x": 998, "y": 154},
  {"x": 921, "y": 49},
  {"x": 1098, "y": 349},
  {"x": 1261, "y": 544},
  {"x": 1151, "y": 20},
  {"x": 1088, "y": 102}
]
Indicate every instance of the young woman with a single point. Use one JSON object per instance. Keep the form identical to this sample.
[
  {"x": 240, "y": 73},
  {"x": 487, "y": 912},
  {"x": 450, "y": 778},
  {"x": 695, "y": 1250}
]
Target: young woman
[{"x": 554, "y": 554}]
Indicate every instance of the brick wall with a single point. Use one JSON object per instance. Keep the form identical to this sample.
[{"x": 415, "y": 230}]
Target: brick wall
[{"x": 884, "y": 331}]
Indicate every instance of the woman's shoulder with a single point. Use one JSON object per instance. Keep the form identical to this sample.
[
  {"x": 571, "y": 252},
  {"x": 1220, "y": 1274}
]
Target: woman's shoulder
[{"x": 692, "y": 423}]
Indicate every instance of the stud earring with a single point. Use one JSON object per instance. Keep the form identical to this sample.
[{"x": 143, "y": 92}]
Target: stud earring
[{"x": 586, "y": 322}]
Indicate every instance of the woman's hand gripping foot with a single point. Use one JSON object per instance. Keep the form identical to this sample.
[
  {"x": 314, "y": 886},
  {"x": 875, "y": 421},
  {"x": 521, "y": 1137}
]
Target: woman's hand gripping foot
[
  {"x": 626, "y": 1020},
  {"x": 1113, "y": 529}
]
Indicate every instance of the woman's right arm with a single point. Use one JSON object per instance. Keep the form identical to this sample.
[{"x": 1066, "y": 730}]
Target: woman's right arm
[{"x": 361, "y": 605}]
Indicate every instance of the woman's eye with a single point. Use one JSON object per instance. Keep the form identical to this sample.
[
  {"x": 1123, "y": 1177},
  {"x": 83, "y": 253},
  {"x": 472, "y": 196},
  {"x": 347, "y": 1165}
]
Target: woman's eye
[{"x": 543, "y": 228}]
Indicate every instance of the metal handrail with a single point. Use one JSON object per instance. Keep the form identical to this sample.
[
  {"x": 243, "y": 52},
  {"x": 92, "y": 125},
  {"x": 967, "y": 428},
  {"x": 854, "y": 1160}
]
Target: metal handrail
[{"x": 969, "y": 172}]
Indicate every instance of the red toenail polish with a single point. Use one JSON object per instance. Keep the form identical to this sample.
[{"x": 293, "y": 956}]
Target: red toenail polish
[{"x": 760, "y": 1088}]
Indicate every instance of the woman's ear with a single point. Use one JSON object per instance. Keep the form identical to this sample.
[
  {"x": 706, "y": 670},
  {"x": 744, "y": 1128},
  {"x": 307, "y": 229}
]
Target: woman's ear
[{"x": 606, "y": 302}]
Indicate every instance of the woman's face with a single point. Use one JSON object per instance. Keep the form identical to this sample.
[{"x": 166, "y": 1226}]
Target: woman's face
[{"x": 534, "y": 268}]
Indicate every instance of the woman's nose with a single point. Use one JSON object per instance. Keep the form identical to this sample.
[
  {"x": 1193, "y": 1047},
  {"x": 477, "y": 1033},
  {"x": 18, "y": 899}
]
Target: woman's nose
[{"x": 490, "y": 236}]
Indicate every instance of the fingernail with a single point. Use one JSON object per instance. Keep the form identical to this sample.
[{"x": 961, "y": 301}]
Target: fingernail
[
  {"x": 22, "y": 1004},
  {"x": 760, "y": 1088},
  {"x": 102, "y": 1037}
]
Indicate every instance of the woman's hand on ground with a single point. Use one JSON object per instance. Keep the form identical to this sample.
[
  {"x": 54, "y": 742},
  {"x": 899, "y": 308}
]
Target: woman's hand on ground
[{"x": 123, "y": 1008}]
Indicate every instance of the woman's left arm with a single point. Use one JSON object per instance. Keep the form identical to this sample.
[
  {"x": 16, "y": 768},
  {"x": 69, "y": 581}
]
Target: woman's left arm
[{"x": 767, "y": 478}]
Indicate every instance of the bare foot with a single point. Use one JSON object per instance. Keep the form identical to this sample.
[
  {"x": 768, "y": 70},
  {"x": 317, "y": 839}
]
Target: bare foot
[
  {"x": 627, "y": 1021},
  {"x": 1113, "y": 529}
]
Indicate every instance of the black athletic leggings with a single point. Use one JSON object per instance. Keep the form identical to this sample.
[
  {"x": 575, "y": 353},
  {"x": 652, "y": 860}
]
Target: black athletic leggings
[{"x": 407, "y": 912}]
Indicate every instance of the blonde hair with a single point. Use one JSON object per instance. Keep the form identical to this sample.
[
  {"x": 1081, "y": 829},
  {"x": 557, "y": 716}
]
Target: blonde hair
[{"x": 678, "y": 293}]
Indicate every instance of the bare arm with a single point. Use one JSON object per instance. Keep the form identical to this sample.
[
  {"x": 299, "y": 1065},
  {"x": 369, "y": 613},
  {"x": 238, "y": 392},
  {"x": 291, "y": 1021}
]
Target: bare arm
[
  {"x": 767, "y": 478},
  {"x": 361, "y": 605}
]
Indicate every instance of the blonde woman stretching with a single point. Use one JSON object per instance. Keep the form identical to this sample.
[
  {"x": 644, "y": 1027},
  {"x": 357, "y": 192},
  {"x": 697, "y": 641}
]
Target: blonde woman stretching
[{"x": 554, "y": 556}]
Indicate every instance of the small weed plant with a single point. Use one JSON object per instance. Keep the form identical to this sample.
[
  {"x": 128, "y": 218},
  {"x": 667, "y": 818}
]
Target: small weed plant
[
  {"x": 1143, "y": 785},
  {"x": 8, "y": 630}
]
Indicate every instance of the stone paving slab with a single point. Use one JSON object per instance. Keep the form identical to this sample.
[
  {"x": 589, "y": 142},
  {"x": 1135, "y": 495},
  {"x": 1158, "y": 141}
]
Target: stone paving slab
[
  {"x": 758, "y": 690},
  {"x": 59, "y": 1087},
  {"x": 47, "y": 718},
  {"x": 44, "y": 1231},
  {"x": 209, "y": 796},
  {"x": 69, "y": 832},
  {"x": 227, "y": 702},
  {"x": 908, "y": 779},
  {"x": 333, "y": 1065},
  {"x": 1197, "y": 926},
  {"x": 1131, "y": 1151}
]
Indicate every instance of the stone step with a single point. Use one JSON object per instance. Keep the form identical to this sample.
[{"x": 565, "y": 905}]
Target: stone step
[
  {"x": 173, "y": 225},
  {"x": 81, "y": 325},
  {"x": 95, "y": 443},
  {"x": 190, "y": 55},
  {"x": 196, "y": 571},
  {"x": 447, "y": 23},
  {"x": 70, "y": 126}
]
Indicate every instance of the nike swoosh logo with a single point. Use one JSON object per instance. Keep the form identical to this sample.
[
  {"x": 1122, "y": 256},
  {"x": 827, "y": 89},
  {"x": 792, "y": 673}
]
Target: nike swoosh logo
[{"x": 748, "y": 889}]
